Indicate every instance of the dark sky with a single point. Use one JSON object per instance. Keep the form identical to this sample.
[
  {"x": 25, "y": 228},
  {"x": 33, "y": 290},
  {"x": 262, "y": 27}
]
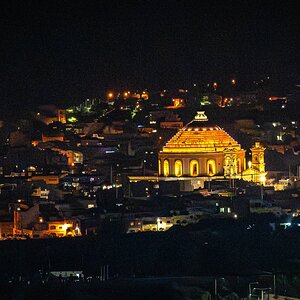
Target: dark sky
[{"x": 54, "y": 51}]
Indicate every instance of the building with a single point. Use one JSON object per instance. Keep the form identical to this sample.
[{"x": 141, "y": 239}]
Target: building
[
  {"x": 256, "y": 169},
  {"x": 161, "y": 223},
  {"x": 6, "y": 229},
  {"x": 48, "y": 179},
  {"x": 49, "y": 114},
  {"x": 43, "y": 221},
  {"x": 201, "y": 151}
]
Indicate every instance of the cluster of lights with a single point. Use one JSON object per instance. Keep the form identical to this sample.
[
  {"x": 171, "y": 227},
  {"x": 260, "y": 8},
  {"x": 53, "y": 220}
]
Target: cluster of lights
[
  {"x": 126, "y": 94},
  {"x": 108, "y": 187},
  {"x": 261, "y": 80}
]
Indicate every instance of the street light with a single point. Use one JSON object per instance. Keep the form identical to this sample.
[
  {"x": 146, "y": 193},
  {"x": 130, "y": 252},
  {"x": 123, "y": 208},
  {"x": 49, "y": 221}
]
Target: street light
[
  {"x": 250, "y": 289},
  {"x": 110, "y": 95}
]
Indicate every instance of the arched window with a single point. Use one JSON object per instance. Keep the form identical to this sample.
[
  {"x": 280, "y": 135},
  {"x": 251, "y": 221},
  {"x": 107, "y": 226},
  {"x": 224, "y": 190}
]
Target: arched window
[
  {"x": 211, "y": 167},
  {"x": 255, "y": 158},
  {"x": 166, "y": 168},
  {"x": 159, "y": 167},
  {"x": 194, "y": 168},
  {"x": 178, "y": 168}
]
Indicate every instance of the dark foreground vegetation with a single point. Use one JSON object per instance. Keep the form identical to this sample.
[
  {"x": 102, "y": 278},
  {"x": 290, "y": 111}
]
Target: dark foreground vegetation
[{"x": 226, "y": 249}]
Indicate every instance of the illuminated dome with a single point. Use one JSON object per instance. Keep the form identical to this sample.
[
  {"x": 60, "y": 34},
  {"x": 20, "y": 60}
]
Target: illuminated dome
[
  {"x": 199, "y": 136},
  {"x": 201, "y": 149}
]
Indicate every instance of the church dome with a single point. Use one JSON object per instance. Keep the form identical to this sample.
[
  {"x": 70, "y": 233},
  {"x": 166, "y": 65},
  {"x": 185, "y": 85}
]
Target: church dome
[{"x": 200, "y": 136}]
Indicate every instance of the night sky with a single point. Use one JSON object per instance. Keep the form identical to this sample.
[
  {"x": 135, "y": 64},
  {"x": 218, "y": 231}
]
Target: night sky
[{"x": 58, "y": 51}]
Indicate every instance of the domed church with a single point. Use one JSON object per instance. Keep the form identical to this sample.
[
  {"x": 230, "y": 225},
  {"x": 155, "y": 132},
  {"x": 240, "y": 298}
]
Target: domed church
[{"x": 202, "y": 149}]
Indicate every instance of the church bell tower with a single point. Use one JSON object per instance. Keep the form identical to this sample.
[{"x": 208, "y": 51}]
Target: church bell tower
[{"x": 258, "y": 157}]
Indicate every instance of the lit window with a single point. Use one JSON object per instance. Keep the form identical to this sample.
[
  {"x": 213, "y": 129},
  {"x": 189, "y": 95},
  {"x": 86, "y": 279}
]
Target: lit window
[
  {"x": 178, "y": 168},
  {"x": 194, "y": 168},
  {"x": 166, "y": 168},
  {"x": 211, "y": 167}
]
